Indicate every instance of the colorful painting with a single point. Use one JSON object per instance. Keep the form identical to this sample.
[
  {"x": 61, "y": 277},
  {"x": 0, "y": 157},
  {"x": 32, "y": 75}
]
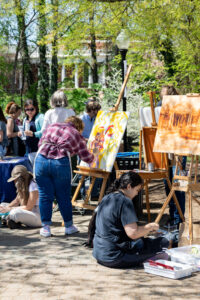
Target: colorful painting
[
  {"x": 179, "y": 125},
  {"x": 105, "y": 138}
]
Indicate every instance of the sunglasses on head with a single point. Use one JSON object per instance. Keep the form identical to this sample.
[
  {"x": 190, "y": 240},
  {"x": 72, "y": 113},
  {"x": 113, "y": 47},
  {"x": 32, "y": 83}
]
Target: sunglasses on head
[{"x": 30, "y": 109}]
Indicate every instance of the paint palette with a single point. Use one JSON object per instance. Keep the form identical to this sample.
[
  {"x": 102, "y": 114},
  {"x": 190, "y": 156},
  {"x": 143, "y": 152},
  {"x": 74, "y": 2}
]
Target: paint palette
[{"x": 168, "y": 269}]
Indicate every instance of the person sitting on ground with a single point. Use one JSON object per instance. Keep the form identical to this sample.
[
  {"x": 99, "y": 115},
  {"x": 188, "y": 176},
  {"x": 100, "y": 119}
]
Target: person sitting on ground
[
  {"x": 3, "y": 135},
  {"x": 24, "y": 209},
  {"x": 16, "y": 146},
  {"x": 118, "y": 241},
  {"x": 53, "y": 170},
  {"x": 59, "y": 111}
]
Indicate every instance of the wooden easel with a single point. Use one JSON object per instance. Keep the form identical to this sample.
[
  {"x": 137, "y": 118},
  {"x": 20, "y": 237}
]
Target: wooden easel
[
  {"x": 160, "y": 160},
  {"x": 191, "y": 185},
  {"x": 96, "y": 173}
]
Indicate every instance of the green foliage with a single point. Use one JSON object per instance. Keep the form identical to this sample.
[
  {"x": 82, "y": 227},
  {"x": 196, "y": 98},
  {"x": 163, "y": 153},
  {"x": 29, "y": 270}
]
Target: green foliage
[
  {"x": 33, "y": 91},
  {"x": 171, "y": 30},
  {"x": 165, "y": 38},
  {"x": 6, "y": 98},
  {"x": 95, "y": 89},
  {"x": 77, "y": 99},
  {"x": 68, "y": 83}
]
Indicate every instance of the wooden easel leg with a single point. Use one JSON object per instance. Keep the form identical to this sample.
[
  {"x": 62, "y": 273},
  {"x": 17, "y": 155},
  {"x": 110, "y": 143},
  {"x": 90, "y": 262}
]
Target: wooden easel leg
[
  {"x": 147, "y": 200},
  {"x": 190, "y": 217},
  {"x": 89, "y": 191},
  {"x": 140, "y": 150},
  {"x": 78, "y": 189},
  {"x": 102, "y": 188},
  {"x": 176, "y": 201},
  {"x": 195, "y": 199},
  {"x": 164, "y": 206}
]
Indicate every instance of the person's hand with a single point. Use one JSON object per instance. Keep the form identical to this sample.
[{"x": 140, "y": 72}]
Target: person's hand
[
  {"x": 28, "y": 133},
  {"x": 19, "y": 134},
  {"x": 4, "y": 209},
  {"x": 152, "y": 227}
]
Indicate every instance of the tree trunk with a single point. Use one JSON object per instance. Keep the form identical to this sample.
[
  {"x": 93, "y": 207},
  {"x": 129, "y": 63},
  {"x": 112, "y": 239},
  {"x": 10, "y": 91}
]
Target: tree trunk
[
  {"x": 168, "y": 56},
  {"x": 54, "y": 67},
  {"x": 28, "y": 73},
  {"x": 43, "y": 67},
  {"x": 54, "y": 53},
  {"x": 94, "y": 66},
  {"x": 13, "y": 85}
]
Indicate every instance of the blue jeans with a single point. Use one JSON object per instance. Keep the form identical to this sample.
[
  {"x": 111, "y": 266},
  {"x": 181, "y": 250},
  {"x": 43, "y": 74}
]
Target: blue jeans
[
  {"x": 173, "y": 211},
  {"x": 53, "y": 177},
  {"x": 2, "y": 151},
  {"x": 142, "y": 249}
]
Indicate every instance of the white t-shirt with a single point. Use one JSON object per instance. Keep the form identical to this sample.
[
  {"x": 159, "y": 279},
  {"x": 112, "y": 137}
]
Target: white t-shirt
[
  {"x": 33, "y": 187},
  {"x": 56, "y": 115}
]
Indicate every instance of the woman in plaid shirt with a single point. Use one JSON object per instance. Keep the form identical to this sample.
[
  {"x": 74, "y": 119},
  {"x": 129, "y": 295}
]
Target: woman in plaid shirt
[{"x": 53, "y": 172}]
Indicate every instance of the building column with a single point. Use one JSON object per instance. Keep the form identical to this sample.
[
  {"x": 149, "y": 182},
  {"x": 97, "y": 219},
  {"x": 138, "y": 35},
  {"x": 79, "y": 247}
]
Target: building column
[
  {"x": 103, "y": 76},
  {"x": 90, "y": 79},
  {"x": 63, "y": 73},
  {"x": 20, "y": 80},
  {"x": 76, "y": 76}
]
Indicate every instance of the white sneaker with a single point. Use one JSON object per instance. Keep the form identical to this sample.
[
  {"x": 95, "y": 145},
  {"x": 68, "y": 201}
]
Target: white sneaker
[
  {"x": 70, "y": 230},
  {"x": 45, "y": 231}
]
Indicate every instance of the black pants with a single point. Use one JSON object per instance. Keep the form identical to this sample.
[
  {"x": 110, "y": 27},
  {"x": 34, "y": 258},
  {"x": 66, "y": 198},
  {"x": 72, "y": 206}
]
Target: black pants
[{"x": 138, "y": 256}]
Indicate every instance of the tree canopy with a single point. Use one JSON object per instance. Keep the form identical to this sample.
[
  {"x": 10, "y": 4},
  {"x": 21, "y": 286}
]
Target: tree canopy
[{"x": 164, "y": 34}]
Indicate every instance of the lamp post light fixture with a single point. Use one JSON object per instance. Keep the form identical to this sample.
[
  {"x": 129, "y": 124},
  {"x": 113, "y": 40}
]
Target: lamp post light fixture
[{"x": 122, "y": 42}]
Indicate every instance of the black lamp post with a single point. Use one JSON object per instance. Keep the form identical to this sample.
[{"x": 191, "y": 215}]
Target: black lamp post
[{"x": 123, "y": 42}]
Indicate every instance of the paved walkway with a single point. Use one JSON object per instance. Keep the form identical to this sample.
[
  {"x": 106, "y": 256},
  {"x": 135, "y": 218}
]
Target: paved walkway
[{"x": 61, "y": 268}]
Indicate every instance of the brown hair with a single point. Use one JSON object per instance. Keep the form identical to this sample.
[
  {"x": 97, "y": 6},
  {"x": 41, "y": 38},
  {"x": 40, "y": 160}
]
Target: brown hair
[
  {"x": 170, "y": 90},
  {"x": 23, "y": 179},
  {"x": 31, "y": 102},
  {"x": 2, "y": 117},
  {"x": 77, "y": 122},
  {"x": 12, "y": 108},
  {"x": 92, "y": 105}
]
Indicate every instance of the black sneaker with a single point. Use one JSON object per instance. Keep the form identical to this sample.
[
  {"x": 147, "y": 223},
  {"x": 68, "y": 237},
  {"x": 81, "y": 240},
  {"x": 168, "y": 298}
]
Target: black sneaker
[{"x": 13, "y": 225}]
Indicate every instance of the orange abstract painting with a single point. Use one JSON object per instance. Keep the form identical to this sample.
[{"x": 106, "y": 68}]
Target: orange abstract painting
[{"x": 179, "y": 125}]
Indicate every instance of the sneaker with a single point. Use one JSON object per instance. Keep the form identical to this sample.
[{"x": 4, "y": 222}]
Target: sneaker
[
  {"x": 45, "y": 231},
  {"x": 12, "y": 224},
  {"x": 70, "y": 230}
]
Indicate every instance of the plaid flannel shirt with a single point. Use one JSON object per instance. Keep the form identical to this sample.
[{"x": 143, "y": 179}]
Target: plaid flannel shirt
[{"x": 61, "y": 138}]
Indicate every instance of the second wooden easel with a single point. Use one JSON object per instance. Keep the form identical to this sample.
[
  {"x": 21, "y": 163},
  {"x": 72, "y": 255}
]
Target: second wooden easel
[
  {"x": 160, "y": 160},
  {"x": 187, "y": 184},
  {"x": 96, "y": 173}
]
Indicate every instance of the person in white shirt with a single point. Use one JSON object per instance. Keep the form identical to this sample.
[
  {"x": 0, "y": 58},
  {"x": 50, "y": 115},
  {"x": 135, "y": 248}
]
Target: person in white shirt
[
  {"x": 58, "y": 112},
  {"x": 24, "y": 209}
]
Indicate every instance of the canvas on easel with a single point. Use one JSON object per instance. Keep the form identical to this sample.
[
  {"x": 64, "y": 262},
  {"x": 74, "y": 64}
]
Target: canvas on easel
[
  {"x": 179, "y": 133},
  {"x": 179, "y": 125},
  {"x": 105, "y": 138}
]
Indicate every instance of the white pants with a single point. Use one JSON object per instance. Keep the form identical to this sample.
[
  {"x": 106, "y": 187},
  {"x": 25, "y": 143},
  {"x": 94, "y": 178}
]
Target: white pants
[{"x": 26, "y": 217}]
